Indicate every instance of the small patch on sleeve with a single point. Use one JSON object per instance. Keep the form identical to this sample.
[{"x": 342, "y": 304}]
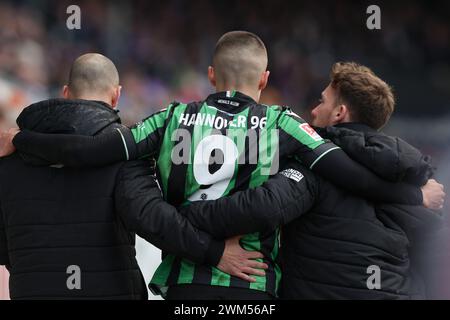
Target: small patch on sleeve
[
  {"x": 293, "y": 174},
  {"x": 306, "y": 128}
]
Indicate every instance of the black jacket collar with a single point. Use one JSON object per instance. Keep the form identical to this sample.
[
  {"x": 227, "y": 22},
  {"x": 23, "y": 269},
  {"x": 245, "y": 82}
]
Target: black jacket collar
[
  {"x": 83, "y": 117},
  {"x": 356, "y": 126}
]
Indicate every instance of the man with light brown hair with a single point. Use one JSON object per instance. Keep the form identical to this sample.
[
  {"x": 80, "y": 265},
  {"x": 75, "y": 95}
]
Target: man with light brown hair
[{"x": 355, "y": 94}]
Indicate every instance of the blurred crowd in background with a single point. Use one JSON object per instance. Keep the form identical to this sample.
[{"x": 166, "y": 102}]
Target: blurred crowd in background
[{"x": 163, "y": 48}]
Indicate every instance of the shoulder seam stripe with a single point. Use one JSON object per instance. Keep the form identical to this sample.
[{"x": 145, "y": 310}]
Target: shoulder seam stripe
[
  {"x": 124, "y": 144},
  {"x": 321, "y": 156}
]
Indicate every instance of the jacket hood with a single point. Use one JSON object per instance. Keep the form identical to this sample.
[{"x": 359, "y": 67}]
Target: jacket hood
[
  {"x": 83, "y": 117},
  {"x": 389, "y": 157}
]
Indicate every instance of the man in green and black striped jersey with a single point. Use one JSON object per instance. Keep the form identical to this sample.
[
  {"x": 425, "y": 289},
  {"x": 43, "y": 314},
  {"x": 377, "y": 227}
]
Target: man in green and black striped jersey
[
  {"x": 206, "y": 150},
  {"x": 218, "y": 128}
]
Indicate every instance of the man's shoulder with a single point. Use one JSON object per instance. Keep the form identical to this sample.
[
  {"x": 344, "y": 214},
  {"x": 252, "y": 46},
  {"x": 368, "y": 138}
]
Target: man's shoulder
[
  {"x": 285, "y": 115},
  {"x": 276, "y": 108}
]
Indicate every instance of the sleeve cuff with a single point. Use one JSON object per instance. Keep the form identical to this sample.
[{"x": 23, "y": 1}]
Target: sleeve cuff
[
  {"x": 214, "y": 252},
  {"x": 419, "y": 197},
  {"x": 17, "y": 138},
  {"x": 4, "y": 260}
]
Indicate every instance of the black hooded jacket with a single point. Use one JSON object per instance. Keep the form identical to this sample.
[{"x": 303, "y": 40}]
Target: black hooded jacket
[
  {"x": 53, "y": 218},
  {"x": 331, "y": 252},
  {"x": 331, "y": 240}
]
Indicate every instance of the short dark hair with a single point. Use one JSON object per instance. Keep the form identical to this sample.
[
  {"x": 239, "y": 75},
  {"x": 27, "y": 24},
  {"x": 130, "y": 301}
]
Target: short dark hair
[
  {"x": 370, "y": 100},
  {"x": 239, "y": 57},
  {"x": 92, "y": 73}
]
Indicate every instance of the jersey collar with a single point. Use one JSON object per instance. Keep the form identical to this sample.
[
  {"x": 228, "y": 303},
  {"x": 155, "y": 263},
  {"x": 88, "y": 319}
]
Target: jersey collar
[{"x": 231, "y": 100}]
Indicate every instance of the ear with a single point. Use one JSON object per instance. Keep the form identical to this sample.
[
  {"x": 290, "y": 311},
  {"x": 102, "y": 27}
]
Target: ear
[
  {"x": 212, "y": 76},
  {"x": 116, "y": 96},
  {"x": 263, "y": 80},
  {"x": 341, "y": 114},
  {"x": 66, "y": 92}
]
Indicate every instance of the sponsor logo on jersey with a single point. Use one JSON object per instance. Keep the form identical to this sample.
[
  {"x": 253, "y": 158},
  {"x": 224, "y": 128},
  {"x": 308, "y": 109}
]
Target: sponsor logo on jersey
[
  {"x": 305, "y": 127},
  {"x": 229, "y": 102}
]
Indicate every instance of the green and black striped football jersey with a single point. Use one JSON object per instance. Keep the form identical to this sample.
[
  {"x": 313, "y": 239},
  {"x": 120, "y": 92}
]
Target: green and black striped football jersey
[{"x": 209, "y": 149}]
